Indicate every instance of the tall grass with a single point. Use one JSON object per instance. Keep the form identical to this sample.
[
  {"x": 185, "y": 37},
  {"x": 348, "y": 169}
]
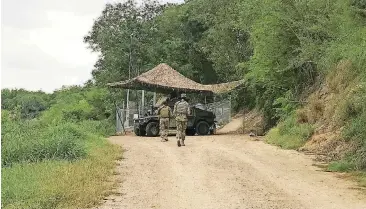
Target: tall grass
[
  {"x": 27, "y": 141},
  {"x": 55, "y": 165},
  {"x": 61, "y": 184},
  {"x": 355, "y": 129}
]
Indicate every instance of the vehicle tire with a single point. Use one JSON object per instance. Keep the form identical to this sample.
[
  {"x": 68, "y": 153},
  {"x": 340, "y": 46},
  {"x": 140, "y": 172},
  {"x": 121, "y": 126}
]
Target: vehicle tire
[
  {"x": 202, "y": 128},
  {"x": 137, "y": 131},
  {"x": 152, "y": 129},
  {"x": 142, "y": 132},
  {"x": 190, "y": 132}
]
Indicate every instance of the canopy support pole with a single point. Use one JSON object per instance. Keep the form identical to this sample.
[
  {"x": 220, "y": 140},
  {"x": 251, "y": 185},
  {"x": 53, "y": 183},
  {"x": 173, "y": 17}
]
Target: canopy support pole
[
  {"x": 128, "y": 90},
  {"x": 128, "y": 109},
  {"x": 154, "y": 98},
  {"x": 142, "y": 102}
]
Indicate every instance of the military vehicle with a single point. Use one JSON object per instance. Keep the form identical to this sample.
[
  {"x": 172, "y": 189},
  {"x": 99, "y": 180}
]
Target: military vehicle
[{"x": 201, "y": 121}]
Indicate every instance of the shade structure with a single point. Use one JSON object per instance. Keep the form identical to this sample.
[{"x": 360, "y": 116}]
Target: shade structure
[{"x": 165, "y": 79}]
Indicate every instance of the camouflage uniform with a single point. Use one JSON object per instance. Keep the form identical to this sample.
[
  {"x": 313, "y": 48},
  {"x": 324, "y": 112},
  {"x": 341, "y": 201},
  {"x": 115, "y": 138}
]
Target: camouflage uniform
[
  {"x": 164, "y": 113},
  {"x": 181, "y": 111}
]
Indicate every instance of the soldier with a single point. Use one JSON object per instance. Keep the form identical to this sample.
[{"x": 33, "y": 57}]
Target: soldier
[
  {"x": 164, "y": 113},
  {"x": 181, "y": 111}
]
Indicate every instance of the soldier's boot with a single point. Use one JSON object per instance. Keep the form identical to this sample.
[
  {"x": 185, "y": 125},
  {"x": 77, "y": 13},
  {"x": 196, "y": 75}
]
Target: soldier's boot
[
  {"x": 182, "y": 142},
  {"x": 178, "y": 138}
]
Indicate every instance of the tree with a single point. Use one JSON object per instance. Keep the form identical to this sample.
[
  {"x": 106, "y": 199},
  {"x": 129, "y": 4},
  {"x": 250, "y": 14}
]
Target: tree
[
  {"x": 29, "y": 103},
  {"x": 120, "y": 35}
]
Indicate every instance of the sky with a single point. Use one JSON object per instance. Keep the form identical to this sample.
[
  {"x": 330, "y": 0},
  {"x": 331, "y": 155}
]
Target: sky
[{"x": 42, "y": 42}]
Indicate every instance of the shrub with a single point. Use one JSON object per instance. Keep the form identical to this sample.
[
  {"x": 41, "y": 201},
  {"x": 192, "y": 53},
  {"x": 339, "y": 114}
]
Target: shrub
[
  {"x": 73, "y": 112},
  {"x": 341, "y": 166},
  {"x": 102, "y": 128},
  {"x": 355, "y": 131},
  {"x": 289, "y": 134}
]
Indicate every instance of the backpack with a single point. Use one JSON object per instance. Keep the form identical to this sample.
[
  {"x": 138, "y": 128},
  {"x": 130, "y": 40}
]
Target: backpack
[{"x": 164, "y": 112}]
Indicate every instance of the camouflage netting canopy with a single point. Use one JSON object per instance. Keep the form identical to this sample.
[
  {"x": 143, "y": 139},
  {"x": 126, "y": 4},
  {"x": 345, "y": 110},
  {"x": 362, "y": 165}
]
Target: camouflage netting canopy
[{"x": 165, "y": 79}]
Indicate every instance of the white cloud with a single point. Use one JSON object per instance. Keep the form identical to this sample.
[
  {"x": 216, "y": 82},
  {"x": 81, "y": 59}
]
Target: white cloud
[{"x": 42, "y": 42}]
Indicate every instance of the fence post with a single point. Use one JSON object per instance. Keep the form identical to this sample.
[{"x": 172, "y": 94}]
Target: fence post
[
  {"x": 123, "y": 115},
  {"x": 229, "y": 107},
  {"x": 118, "y": 122}
]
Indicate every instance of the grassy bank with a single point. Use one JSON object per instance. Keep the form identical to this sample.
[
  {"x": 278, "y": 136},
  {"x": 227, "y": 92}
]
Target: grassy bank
[
  {"x": 332, "y": 123},
  {"x": 48, "y": 181},
  {"x": 60, "y": 184},
  {"x": 58, "y": 157},
  {"x": 290, "y": 134}
]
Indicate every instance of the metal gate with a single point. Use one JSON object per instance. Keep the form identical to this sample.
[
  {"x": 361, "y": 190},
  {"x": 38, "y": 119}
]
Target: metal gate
[
  {"x": 125, "y": 117},
  {"x": 222, "y": 110}
]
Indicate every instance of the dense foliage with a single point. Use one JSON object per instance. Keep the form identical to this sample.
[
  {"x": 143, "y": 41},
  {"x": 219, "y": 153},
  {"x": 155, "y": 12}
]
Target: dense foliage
[
  {"x": 283, "y": 48},
  {"x": 279, "y": 46}
]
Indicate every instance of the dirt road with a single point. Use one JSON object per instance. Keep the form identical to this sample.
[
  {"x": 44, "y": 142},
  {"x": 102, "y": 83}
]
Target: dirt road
[{"x": 224, "y": 171}]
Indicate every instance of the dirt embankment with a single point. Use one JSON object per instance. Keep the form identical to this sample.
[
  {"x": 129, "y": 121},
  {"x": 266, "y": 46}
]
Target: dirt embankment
[
  {"x": 245, "y": 123},
  {"x": 328, "y": 110}
]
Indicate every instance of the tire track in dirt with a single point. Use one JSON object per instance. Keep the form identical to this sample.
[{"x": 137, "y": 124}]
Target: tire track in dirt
[{"x": 224, "y": 171}]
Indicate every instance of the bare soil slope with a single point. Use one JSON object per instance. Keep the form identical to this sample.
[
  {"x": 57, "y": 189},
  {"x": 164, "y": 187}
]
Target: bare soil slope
[
  {"x": 233, "y": 127},
  {"x": 224, "y": 172}
]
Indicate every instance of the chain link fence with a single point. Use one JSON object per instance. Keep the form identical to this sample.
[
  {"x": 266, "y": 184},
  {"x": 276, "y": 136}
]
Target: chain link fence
[
  {"x": 222, "y": 110},
  {"x": 124, "y": 117}
]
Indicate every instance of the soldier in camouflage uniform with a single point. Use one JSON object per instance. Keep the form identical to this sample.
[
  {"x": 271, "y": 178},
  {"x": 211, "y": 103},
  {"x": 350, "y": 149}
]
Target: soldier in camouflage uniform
[
  {"x": 181, "y": 111},
  {"x": 164, "y": 113}
]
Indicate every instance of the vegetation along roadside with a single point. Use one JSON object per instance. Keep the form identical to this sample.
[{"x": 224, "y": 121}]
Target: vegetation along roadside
[{"x": 303, "y": 61}]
